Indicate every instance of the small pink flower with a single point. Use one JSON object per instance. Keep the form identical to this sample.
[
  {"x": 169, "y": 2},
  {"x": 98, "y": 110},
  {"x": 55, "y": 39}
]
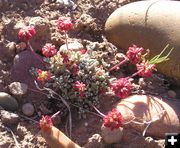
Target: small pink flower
[
  {"x": 121, "y": 87},
  {"x": 26, "y": 33},
  {"x": 43, "y": 75},
  {"x": 81, "y": 87},
  {"x": 113, "y": 120},
  {"x": 64, "y": 24},
  {"x": 45, "y": 123},
  {"x": 134, "y": 54},
  {"x": 49, "y": 50},
  {"x": 145, "y": 69}
]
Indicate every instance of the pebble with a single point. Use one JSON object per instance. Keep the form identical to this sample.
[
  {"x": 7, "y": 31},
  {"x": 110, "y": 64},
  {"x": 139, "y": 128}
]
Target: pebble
[
  {"x": 11, "y": 49},
  {"x": 172, "y": 94},
  {"x": 142, "y": 83},
  {"x": 9, "y": 118},
  {"x": 111, "y": 136},
  {"x": 67, "y": 3},
  {"x": 28, "y": 109},
  {"x": 8, "y": 102},
  {"x": 18, "y": 89},
  {"x": 86, "y": 124},
  {"x": 20, "y": 47}
]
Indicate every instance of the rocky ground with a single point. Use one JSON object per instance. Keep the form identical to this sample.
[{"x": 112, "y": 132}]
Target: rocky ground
[{"x": 19, "y": 128}]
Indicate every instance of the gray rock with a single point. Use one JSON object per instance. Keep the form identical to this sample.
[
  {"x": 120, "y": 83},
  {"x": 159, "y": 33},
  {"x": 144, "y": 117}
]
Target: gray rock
[
  {"x": 111, "y": 136},
  {"x": 8, "y": 102},
  {"x": 18, "y": 89},
  {"x": 172, "y": 94},
  {"x": 23, "y": 62},
  {"x": 149, "y": 24},
  {"x": 8, "y": 118},
  {"x": 28, "y": 109}
]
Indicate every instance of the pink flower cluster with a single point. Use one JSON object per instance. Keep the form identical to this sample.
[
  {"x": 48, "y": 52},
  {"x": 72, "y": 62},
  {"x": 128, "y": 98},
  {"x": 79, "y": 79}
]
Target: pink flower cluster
[
  {"x": 121, "y": 87},
  {"x": 113, "y": 120},
  {"x": 26, "y": 33},
  {"x": 145, "y": 69},
  {"x": 45, "y": 123},
  {"x": 49, "y": 50},
  {"x": 64, "y": 24},
  {"x": 134, "y": 54},
  {"x": 80, "y": 87}
]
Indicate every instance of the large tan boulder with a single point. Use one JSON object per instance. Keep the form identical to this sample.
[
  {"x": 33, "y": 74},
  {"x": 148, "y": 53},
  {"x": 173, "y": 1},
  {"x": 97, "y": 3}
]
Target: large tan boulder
[
  {"x": 164, "y": 113},
  {"x": 149, "y": 24}
]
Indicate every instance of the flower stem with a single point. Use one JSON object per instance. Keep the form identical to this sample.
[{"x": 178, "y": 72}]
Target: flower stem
[
  {"x": 136, "y": 73},
  {"x": 103, "y": 115},
  {"x": 118, "y": 65},
  {"x": 65, "y": 33}
]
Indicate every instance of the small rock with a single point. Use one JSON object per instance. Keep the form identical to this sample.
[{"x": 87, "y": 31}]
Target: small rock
[
  {"x": 172, "y": 94},
  {"x": 11, "y": 46},
  {"x": 28, "y": 109},
  {"x": 18, "y": 89},
  {"x": 111, "y": 136},
  {"x": 86, "y": 124},
  {"x": 8, "y": 102},
  {"x": 67, "y": 3},
  {"x": 23, "y": 62},
  {"x": 9, "y": 118},
  {"x": 72, "y": 46},
  {"x": 142, "y": 83},
  {"x": 20, "y": 47}
]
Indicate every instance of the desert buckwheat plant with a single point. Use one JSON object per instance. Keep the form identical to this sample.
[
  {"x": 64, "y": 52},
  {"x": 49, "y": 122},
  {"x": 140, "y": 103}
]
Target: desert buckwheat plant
[{"x": 78, "y": 78}]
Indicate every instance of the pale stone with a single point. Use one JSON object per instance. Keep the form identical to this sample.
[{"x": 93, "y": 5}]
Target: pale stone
[
  {"x": 9, "y": 118},
  {"x": 142, "y": 108},
  {"x": 111, "y": 136},
  {"x": 28, "y": 109},
  {"x": 18, "y": 89},
  {"x": 172, "y": 93},
  {"x": 149, "y": 24}
]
